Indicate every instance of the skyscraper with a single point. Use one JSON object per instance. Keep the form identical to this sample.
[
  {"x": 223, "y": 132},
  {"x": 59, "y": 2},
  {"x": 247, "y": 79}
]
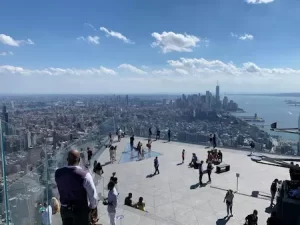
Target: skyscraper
[
  {"x": 3, "y": 112},
  {"x": 218, "y": 93},
  {"x": 5, "y": 119}
]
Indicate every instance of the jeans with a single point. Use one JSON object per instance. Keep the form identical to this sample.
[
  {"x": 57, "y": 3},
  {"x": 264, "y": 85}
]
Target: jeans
[
  {"x": 156, "y": 170},
  {"x": 229, "y": 207},
  {"x": 209, "y": 173},
  {"x": 76, "y": 216},
  {"x": 200, "y": 178},
  {"x": 112, "y": 218}
]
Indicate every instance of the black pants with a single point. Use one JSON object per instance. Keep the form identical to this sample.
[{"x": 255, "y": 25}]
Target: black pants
[
  {"x": 75, "y": 216},
  {"x": 200, "y": 178},
  {"x": 169, "y": 138},
  {"x": 156, "y": 170},
  {"x": 209, "y": 173},
  {"x": 229, "y": 207}
]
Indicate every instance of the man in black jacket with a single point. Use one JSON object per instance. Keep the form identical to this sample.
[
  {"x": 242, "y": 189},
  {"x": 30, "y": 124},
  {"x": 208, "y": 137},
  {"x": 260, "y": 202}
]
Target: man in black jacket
[{"x": 209, "y": 170}]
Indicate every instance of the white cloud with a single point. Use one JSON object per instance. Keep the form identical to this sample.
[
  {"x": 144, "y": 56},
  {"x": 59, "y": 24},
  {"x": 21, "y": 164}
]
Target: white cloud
[
  {"x": 90, "y": 25},
  {"x": 180, "y": 75},
  {"x": 7, "y": 40},
  {"x": 246, "y": 37},
  {"x": 170, "y": 41},
  {"x": 90, "y": 39},
  {"x": 117, "y": 35},
  {"x": 182, "y": 71},
  {"x": 259, "y": 1},
  {"x": 6, "y": 53},
  {"x": 162, "y": 72},
  {"x": 201, "y": 67},
  {"x": 132, "y": 69},
  {"x": 51, "y": 71},
  {"x": 243, "y": 37}
]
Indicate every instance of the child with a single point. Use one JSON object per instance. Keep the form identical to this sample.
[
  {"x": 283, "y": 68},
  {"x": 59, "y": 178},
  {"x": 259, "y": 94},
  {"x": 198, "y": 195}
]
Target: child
[{"x": 183, "y": 151}]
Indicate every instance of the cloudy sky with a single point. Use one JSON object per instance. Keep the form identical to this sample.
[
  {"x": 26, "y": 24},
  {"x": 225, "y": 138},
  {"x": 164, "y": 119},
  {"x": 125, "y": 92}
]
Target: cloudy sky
[{"x": 157, "y": 46}]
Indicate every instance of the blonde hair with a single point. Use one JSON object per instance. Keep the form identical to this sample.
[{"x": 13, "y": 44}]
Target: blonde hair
[{"x": 55, "y": 204}]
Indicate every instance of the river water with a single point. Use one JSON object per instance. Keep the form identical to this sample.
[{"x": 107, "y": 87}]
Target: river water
[{"x": 271, "y": 109}]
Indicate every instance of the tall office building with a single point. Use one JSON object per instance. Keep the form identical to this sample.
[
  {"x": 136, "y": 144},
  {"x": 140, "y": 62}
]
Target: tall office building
[
  {"x": 207, "y": 97},
  {"x": 225, "y": 102},
  {"x": 29, "y": 144},
  {"x": 208, "y": 100},
  {"x": 127, "y": 100},
  {"x": 218, "y": 94},
  {"x": 5, "y": 119}
]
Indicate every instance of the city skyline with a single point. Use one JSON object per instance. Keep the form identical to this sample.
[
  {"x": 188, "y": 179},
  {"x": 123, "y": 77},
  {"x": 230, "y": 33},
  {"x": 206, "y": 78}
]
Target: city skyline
[{"x": 154, "y": 47}]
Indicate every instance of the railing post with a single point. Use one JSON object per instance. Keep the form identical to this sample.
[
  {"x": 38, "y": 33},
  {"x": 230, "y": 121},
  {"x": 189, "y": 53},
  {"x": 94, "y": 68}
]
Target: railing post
[
  {"x": 47, "y": 180},
  {"x": 114, "y": 123},
  {"x": 4, "y": 174}
]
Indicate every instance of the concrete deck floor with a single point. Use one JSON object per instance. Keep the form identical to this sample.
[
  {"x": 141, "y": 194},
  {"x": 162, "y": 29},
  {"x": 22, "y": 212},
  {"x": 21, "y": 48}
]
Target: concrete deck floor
[{"x": 168, "y": 196}]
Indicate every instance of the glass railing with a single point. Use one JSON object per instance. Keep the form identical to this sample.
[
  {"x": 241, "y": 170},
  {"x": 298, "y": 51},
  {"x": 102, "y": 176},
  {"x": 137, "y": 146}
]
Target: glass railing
[
  {"x": 232, "y": 136},
  {"x": 31, "y": 160}
]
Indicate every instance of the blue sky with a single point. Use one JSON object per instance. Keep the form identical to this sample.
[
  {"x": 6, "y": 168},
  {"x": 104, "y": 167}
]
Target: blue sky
[{"x": 98, "y": 46}]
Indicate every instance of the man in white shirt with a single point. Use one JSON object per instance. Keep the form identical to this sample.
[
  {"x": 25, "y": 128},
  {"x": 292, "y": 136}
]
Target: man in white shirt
[{"x": 112, "y": 200}]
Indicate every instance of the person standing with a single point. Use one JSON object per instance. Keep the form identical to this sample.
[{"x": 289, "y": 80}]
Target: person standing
[
  {"x": 149, "y": 144},
  {"x": 211, "y": 140},
  {"x": 132, "y": 142},
  {"x": 252, "y": 145},
  {"x": 220, "y": 156},
  {"x": 150, "y": 133},
  {"x": 156, "y": 165},
  {"x": 183, "y": 153},
  {"x": 90, "y": 154},
  {"x": 252, "y": 219},
  {"x": 200, "y": 172},
  {"x": 78, "y": 194},
  {"x": 209, "y": 169},
  {"x": 169, "y": 135},
  {"x": 214, "y": 141},
  {"x": 112, "y": 200},
  {"x": 273, "y": 191},
  {"x": 110, "y": 139},
  {"x": 229, "y": 201},
  {"x": 119, "y": 132},
  {"x": 98, "y": 170},
  {"x": 157, "y": 134}
]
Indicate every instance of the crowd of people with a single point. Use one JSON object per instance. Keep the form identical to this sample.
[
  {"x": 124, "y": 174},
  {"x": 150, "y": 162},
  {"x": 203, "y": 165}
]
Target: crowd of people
[{"x": 81, "y": 208}]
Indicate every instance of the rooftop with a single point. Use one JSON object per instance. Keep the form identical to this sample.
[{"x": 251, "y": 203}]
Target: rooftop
[{"x": 172, "y": 197}]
